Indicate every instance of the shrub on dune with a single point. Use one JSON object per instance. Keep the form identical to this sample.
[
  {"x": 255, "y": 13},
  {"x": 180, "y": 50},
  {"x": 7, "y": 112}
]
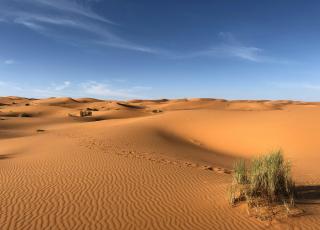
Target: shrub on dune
[
  {"x": 239, "y": 182},
  {"x": 270, "y": 178},
  {"x": 240, "y": 172},
  {"x": 24, "y": 115},
  {"x": 85, "y": 113},
  {"x": 267, "y": 181}
]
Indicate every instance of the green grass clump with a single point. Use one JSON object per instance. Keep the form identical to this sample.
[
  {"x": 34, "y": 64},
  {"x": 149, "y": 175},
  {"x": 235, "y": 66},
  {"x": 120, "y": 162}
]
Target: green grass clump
[
  {"x": 240, "y": 175},
  {"x": 270, "y": 178},
  {"x": 239, "y": 182},
  {"x": 266, "y": 181}
]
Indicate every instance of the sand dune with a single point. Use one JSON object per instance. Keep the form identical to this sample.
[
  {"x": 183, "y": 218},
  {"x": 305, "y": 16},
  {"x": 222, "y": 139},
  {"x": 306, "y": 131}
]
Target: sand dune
[
  {"x": 62, "y": 101},
  {"x": 87, "y": 100},
  {"x": 145, "y": 164}
]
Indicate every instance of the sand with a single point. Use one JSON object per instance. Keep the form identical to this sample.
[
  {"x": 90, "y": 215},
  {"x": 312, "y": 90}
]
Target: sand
[{"x": 146, "y": 164}]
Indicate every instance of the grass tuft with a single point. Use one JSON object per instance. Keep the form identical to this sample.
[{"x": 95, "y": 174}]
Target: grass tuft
[
  {"x": 266, "y": 182},
  {"x": 270, "y": 177},
  {"x": 85, "y": 113},
  {"x": 240, "y": 175}
]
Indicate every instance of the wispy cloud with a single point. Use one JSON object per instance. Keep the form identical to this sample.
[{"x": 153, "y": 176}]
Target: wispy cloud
[
  {"x": 242, "y": 52},
  {"x": 72, "y": 7},
  {"x": 9, "y": 62},
  {"x": 107, "y": 90},
  {"x": 311, "y": 86},
  {"x": 230, "y": 47},
  {"x": 84, "y": 26},
  {"x": 50, "y": 17},
  {"x": 100, "y": 89},
  {"x": 44, "y": 24},
  {"x": 11, "y": 87},
  {"x": 296, "y": 85},
  {"x": 80, "y": 89},
  {"x": 62, "y": 86},
  {"x": 130, "y": 46}
]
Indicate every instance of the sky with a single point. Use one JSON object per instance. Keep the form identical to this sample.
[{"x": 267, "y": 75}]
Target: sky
[{"x": 124, "y": 49}]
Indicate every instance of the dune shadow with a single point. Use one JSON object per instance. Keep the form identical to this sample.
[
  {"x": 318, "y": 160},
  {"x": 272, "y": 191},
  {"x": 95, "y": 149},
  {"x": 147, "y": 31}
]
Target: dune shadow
[
  {"x": 5, "y": 157},
  {"x": 130, "y": 106},
  {"x": 308, "y": 194}
]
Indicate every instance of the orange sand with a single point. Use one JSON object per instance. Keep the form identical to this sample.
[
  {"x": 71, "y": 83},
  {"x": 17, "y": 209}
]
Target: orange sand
[{"x": 141, "y": 164}]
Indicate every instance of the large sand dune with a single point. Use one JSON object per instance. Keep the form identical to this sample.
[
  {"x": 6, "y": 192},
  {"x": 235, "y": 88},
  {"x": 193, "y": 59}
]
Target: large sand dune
[{"x": 143, "y": 164}]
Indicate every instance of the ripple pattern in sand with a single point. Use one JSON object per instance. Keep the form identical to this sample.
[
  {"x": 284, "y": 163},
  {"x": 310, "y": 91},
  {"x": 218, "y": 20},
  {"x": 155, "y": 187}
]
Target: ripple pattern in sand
[{"x": 83, "y": 187}]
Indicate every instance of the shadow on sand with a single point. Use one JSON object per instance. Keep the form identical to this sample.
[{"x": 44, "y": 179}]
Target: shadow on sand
[
  {"x": 6, "y": 156},
  {"x": 308, "y": 194}
]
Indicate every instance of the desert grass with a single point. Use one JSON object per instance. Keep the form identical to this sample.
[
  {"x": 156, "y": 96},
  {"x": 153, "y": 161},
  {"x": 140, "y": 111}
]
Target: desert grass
[
  {"x": 85, "y": 113},
  {"x": 270, "y": 178},
  {"x": 263, "y": 184},
  {"x": 24, "y": 115}
]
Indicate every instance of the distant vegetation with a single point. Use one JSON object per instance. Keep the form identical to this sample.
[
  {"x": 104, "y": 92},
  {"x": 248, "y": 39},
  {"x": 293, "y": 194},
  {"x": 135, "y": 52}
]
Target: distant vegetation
[
  {"x": 24, "y": 115},
  {"x": 157, "y": 111},
  {"x": 263, "y": 183},
  {"x": 85, "y": 113}
]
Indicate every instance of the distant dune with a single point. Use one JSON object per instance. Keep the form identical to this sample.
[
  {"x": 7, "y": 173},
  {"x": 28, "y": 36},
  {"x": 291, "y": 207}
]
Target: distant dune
[{"x": 145, "y": 164}]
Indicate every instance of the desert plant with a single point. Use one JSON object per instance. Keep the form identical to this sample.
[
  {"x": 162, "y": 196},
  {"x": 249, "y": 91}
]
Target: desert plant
[
  {"x": 24, "y": 115},
  {"x": 270, "y": 178},
  {"x": 240, "y": 175},
  {"x": 267, "y": 180},
  {"x": 85, "y": 113},
  {"x": 157, "y": 111},
  {"x": 237, "y": 190}
]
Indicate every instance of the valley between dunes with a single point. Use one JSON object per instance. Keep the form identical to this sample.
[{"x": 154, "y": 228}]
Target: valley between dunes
[{"x": 146, "y": 164}]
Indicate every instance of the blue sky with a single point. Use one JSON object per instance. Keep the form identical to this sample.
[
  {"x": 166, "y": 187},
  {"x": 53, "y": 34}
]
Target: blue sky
[{"x": 123, "y": 49}]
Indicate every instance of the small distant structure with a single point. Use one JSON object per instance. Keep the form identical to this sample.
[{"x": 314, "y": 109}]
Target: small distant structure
[
  {"x": 85, "y": 113},
  {"x": 157, "y": 111}
]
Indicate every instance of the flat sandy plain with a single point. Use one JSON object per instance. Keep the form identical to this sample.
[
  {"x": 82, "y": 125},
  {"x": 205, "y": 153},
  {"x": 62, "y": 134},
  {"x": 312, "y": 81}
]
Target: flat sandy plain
[{"x": 147, "y": 164}]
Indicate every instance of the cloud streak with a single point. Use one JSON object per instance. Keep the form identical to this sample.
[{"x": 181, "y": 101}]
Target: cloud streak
[
  {"x": 106, "y": 90},
  {"x": 231, "y": 47},
  {"x": 242, "y": 52},
  {"x": 296, "y": 85},
  {"x": 80, "y": 89},
  {"x": 9, "y": 62},
  {"x": 50, "y": 17},
  {"x": 72, "y": 7},
  {"x": 63, "y": 86}
]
